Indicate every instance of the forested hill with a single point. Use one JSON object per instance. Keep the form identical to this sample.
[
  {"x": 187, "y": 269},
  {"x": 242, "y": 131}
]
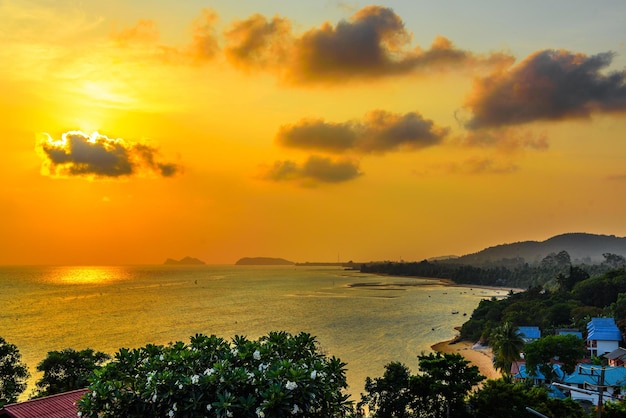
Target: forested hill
[
  {"x": 581, "y": 247},
  {"x": 522, "y": 264}
]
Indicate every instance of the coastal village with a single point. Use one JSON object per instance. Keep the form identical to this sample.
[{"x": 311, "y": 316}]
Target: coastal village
[{"x": 593, "y": 382}]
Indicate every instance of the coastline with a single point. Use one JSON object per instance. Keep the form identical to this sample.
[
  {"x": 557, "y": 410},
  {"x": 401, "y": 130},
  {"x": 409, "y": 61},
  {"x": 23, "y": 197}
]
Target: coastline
[{"x": 480, "y": 358}]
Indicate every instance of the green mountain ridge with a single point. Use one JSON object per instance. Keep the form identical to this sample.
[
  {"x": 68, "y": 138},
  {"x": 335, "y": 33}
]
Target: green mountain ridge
[{"x": 582, "y": 247}]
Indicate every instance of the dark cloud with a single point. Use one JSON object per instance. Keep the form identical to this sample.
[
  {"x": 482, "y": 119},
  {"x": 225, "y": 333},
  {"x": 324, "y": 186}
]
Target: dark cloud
[
  {"x": 548, "y": 85},
  {"x": 314, "y": 171},
  {"x": 378, "y": 132},
  {"x": 372, "y": 43},
  {"x": 316, "y": 134},
  {"x": 97, "y": 156},
  {"x": 258, "y": 42}
]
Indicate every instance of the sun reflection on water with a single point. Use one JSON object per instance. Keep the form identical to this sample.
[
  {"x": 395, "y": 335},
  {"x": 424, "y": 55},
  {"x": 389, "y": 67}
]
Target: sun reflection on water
[{"x": 86, "y": 275}]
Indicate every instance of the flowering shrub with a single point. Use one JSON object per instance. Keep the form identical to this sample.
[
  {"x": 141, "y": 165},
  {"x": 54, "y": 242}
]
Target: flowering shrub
[{"x": 276, "y": 376}]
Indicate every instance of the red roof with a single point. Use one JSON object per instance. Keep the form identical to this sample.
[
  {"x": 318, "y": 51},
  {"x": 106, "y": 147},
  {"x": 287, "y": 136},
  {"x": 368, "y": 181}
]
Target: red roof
[{"x": 62, "y": 405}]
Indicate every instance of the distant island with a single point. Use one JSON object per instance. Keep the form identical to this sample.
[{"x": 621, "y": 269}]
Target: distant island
[
  {"x": 186, "y": 261},
  {"x": 263, "y": 261}
]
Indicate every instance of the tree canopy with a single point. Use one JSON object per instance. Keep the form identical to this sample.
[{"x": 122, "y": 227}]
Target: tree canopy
[
  {"x": 507, "y": 346},
  {"x": 439, "y": 390},
  {"x": 278, "y": 375},
  {"x": 13, "y": 373},
  {"x": 67, "y": 370},
  {"x": 564, "y": 349}
]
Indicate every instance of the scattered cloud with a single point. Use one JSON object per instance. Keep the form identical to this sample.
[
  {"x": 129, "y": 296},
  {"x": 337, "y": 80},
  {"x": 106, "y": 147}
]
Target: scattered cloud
[
  {"x": 378, "y": 132},
  {"x": 313, "y": 171},
  {"x": 257, "y": 42},
  {"x": 77, "y": 154},
  {"x": 617, "y": 177},
  {"x": 204, "y": 44},
  {"x": 548, "y": 85},
  {"x": 506, "y": 139},
  {"x": 144, "y": 31},
  {"x": 143, "y": 37},
  {"x": 372, "y": 43},
  {"x": 478, "y": 165}
]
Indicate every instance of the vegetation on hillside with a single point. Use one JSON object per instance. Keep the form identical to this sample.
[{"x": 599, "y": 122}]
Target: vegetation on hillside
[
  {"x": 552, "y": 309},
  {"x": 512, "y": 273}
]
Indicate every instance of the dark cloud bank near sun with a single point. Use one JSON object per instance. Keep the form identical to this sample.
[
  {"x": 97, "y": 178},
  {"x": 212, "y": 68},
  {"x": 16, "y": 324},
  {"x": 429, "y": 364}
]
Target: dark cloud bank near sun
[{"x": 98, "y": 156}]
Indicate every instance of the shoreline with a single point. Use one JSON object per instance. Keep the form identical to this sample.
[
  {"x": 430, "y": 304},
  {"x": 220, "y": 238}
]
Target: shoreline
[
  {"x": 450, "y": 282},
  {"x": 480, "y": 358}
]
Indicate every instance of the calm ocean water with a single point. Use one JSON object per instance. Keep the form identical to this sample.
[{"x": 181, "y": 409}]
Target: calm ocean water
[{"x": 365, "y": 320}]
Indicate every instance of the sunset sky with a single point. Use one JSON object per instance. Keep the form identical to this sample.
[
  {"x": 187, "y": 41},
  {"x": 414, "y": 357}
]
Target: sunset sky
[{"x": 134, "y": 131}]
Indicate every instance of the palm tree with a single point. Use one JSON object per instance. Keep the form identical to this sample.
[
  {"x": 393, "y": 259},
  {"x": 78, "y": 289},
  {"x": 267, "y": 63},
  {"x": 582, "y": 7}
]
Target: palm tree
[{"x": 507, "y": 345}]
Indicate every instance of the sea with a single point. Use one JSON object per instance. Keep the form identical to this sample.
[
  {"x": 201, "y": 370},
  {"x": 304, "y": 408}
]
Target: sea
[{"x": 365, "y": 320}]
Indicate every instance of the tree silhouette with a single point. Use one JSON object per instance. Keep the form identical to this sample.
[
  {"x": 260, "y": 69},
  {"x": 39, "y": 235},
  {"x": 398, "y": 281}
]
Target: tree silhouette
[
  {"x": 13, "y": 373},
  {"x": 507, "y": 344}
]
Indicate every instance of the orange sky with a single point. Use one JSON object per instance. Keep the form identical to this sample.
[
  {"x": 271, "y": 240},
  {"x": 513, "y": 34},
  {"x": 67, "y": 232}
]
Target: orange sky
[{"x": 134, "y": 131}]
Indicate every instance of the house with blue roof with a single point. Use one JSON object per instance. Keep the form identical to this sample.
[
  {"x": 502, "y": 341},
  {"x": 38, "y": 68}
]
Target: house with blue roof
[
  {"x": 603, "y": 336},
  {"x": 538, "y": 377},
  {"x": 589, "y": 378},
  {"x": 529, "y": 334}
]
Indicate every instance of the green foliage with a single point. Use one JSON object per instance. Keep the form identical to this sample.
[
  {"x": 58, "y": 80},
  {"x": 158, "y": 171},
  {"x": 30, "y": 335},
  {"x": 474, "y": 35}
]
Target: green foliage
[
  {"x": 619, "y": 307},
  {"x": 603, "y": 290},
  {"x": 503, "y": 398},
  {"x": 567, "y": 283},
  {"x": 67, "y": 370},
  {"x": 507, "y": 345},
  {"x": 278, "y": 375},
  {"x": 438, "y": 391},
  {"x": 389, "y": 396},
  {"x": 568, "y": 349},
  {"x": 13, "y": 373},
  {"x": 614, "y": 410}
]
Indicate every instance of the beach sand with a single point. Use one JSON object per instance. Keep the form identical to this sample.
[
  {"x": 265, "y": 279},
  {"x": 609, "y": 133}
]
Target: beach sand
[{"x": 479, "y": 358}]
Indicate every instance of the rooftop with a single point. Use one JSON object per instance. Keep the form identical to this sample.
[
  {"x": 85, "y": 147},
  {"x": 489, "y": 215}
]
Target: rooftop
[{"x": 62, "y": 405}]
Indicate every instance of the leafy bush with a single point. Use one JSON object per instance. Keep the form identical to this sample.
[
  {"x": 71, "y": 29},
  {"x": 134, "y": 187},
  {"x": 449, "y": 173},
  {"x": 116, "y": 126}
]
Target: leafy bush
[{"x": 275, "y": 376}]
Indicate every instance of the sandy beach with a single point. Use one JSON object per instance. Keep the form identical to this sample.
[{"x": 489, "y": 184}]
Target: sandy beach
[{"x": 480, "y": 358}]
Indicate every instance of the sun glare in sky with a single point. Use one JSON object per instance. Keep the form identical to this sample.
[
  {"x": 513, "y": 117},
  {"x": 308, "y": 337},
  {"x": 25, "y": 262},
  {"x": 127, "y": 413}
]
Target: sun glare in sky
[{"x": 139, "y": 131}]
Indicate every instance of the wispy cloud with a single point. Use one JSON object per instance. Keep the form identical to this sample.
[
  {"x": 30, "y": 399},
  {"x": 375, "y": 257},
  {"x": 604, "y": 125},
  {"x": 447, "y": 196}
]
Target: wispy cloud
[
  {"x": 204, "y": 44},
  {"x": 145, "y": 31},
  {"x": 258, "y": 42},
  {"x": 377, "y": 132},
  {"x": 77, "y": 154},
  {"x": 508, "y": 139}
]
